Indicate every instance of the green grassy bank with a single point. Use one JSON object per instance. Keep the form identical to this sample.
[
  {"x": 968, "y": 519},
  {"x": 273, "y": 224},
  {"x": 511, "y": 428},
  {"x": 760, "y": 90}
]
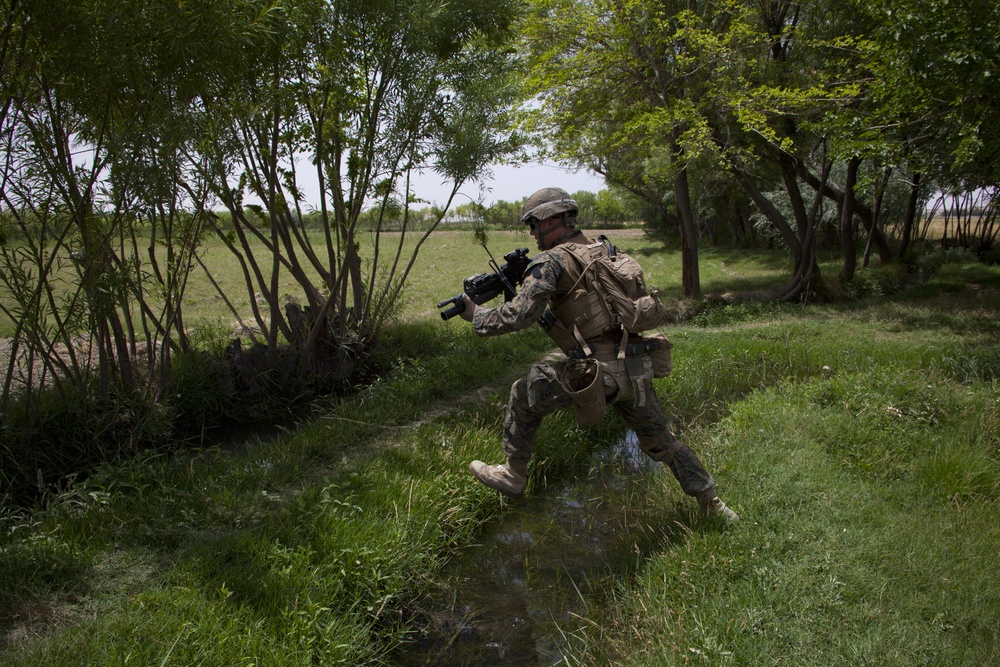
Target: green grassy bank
[
  {"x": 859, "y": 443},
  {"x": 868, "y": 480}
]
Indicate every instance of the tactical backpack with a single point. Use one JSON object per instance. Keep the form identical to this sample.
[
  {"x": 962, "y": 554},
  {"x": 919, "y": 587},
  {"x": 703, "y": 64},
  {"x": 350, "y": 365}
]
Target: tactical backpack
[
  {"x": 608, "y": 295},
  {"x": 619, "y": 280}
]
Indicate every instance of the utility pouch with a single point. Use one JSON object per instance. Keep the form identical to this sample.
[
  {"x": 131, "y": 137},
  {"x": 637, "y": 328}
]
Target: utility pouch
[
  {"x": 617, "y": 370},
  {"x": 647, "y": 314},
  {"x": 658, "y": 348},
  {"x": 582, "y": 379},
  {"x": 584, "y": 313}
]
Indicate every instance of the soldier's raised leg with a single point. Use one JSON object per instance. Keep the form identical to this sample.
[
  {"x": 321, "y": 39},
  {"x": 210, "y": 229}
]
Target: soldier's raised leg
[{"x": 531, "y": 398}]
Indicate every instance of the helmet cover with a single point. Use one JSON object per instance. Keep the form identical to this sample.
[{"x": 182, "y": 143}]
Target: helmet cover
[{"x": 546, "y": 203}]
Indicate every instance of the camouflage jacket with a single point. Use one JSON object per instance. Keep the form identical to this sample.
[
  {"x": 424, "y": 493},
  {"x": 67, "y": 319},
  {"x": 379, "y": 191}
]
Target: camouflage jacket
[{"x": 541, "y": 285}]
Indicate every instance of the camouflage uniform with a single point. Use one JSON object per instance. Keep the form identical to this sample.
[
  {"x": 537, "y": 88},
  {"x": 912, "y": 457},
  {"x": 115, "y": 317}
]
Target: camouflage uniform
[{"x": 540, "y": 392}]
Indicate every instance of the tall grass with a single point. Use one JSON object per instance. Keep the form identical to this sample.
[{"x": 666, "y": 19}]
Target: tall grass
[
  {"x": 308, "y": 547},
  {"x": 870, "y": 521}
]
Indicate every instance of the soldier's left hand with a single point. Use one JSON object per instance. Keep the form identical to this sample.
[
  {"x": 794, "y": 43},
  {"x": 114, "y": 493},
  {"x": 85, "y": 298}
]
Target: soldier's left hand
[{"x": 470, "y": 308}]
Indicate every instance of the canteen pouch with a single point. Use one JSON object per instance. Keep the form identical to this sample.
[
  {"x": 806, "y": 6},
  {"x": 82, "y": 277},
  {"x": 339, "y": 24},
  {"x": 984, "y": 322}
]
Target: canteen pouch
[
  {"x": 660, "y": 354},
  {"x": 583, "y": 381}
]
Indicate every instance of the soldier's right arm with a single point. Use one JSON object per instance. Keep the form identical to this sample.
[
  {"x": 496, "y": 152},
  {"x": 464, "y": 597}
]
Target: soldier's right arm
[{"x": 523, "y": 310}]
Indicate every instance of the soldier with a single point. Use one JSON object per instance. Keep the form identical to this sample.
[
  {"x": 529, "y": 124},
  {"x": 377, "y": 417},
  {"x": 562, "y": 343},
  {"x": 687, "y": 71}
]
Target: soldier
[{"x": 552, "y": 294}]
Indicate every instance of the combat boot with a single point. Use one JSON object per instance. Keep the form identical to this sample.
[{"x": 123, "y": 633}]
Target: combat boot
[
  {"x": 712, "y": 506},
  {"x": 508, "y": 478}
]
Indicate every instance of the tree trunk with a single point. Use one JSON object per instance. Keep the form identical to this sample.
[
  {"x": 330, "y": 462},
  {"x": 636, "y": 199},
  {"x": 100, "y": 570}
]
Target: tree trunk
[
  {"x": 690, "y": 278},
  {"x": 847, "y": 220},
  {"x": 909, "y": 220},
  {"x": 771, "y": 213},
  {"x": 805, "y": 278},
  {"x": 864, "y": 213}
]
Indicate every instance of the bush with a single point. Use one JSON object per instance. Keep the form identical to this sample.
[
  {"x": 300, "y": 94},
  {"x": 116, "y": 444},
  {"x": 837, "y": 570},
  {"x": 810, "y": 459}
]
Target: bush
[
  {"x": 875, "y": 281},
  {"x": 68, "y": 432}
]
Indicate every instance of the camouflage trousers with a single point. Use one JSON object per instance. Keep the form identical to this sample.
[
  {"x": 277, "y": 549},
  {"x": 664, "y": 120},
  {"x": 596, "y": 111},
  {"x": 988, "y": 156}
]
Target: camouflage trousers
[{"x": 540, "y": 393}]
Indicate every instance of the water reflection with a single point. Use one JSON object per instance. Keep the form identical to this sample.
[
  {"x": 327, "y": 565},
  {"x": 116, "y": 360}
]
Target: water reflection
[{"x": 520, "y": 596}]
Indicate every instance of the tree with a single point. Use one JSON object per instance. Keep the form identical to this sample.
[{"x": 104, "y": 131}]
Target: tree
[
  {"x": 90, "y": 159},
  {"x": 503, "y": 214},
  {"x": 620, "y": 83},
  {"x": 934, "y": 67},
  {"x": 125, "y": 123},
  {"x": 784, "y": 95},
  {"x": 101, "y": 222},
  {"x": 370, "y": 92},
  {"x": 608, "y": 207},
  {"x": 757, "y": 131},
  {"x": 585, "y": 200},
  {"x": 645, "y": 92}
]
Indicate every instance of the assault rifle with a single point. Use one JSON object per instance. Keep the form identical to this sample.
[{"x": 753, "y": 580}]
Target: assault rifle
[{"x": 485, "y": 286}]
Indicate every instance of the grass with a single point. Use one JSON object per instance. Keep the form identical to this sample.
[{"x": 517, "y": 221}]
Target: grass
[
  {"x": 450, "y": 256},
  {"x": 303, "y": 548},
  {"x": 870, "y": 521},
  {"x": 441, "y": 265},
  {"x": 868, "y": 479},
  {"x": 859, "y": 442}
]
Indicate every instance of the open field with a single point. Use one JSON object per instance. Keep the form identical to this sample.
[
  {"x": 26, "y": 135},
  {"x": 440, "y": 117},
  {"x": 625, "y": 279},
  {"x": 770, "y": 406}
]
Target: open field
[
  {"x": 860, "y": 442},
  {"x": 448, "y": 257}
]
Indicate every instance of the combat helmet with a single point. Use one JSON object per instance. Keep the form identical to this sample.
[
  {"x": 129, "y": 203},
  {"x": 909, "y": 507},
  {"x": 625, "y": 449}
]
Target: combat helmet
[{"x": 546, "y": 203}]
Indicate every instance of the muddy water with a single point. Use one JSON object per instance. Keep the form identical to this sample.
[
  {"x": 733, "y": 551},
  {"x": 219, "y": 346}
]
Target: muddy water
[{"x": 518, "y": 596}]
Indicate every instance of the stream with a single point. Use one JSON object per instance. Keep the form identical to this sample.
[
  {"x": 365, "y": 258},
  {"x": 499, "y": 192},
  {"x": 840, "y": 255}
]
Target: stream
[{"x": 520, "y": 596}]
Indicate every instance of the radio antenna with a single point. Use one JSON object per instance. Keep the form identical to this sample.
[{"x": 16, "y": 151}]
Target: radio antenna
[{"x": 496, "y": 268}]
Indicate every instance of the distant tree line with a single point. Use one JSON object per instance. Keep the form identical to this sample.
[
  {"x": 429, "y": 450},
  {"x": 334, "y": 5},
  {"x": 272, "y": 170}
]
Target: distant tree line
[{"x": 604, "y": 208}]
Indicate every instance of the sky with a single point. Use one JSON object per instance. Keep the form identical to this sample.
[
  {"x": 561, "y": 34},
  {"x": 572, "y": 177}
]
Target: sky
[{"x": 509, "y": 184}]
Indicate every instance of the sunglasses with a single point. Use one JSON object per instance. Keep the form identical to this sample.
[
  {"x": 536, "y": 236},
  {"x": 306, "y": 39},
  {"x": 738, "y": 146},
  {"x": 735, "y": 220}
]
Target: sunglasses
[{"x": 534, "y": 222}]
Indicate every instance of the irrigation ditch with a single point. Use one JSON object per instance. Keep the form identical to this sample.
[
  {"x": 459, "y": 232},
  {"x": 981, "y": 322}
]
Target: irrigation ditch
[{"x": 541, "y": 573}]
